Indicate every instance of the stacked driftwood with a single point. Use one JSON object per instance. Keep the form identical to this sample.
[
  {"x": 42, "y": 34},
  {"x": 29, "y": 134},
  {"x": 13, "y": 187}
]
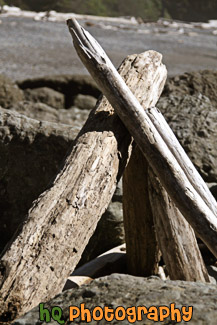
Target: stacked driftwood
[{"x": 162, "y": 189}]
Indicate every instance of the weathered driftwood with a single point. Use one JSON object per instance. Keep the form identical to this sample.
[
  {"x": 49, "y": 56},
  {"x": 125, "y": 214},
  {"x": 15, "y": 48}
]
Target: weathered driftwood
[
  {"x": 175, "y": 236},
  {"x": 159, "y": 156},
  {"x": 20, "y": 140},
  {"x": 182, "y": 158},
  {"x": 112, "y": 261},
  {"x": 46, "y": 250},
  {"x": 143, "y": 254}
]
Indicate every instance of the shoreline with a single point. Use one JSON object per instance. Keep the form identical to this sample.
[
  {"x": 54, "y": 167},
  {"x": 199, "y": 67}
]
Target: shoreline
[{"x": 31, "y": 48}]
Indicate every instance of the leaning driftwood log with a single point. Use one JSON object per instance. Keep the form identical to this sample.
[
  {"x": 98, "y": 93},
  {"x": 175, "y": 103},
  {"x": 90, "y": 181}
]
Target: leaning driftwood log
[
  {"x": 20, "y": 140},
  {"x": 182, "y": 158},
  {"x": 175, "y": 236},
  {"x": 155, "y": 149},
  {"x": 47, "y": 248}
]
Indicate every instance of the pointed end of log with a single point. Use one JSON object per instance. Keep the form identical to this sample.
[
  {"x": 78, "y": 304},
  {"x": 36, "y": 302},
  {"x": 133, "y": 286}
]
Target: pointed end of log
[
  {"x": 73, "y": 24},
  {"x": 86, "y": 46},
  {"x": 74, "y": 28}
]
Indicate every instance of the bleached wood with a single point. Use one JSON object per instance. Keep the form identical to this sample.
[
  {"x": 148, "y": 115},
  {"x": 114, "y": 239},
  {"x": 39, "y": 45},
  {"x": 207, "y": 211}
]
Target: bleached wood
[
  {"x": 182, "y": 158},
  {"x": 60, "y": 223},
  {"x": 175, "y": 236},
  {"x": 109, "y": 262},
  {"x": 159, "y": 156}
]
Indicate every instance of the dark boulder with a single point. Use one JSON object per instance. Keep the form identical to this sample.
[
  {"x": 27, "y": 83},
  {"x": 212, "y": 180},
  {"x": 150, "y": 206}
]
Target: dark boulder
[
  {"x": 194, "y": 121},
  {"x": 213, "y": 189},
  {"x": 47, "y": 96},
  {"x": 9, "y": 92},
  {"x": 39, "y": 111},
  {"x": 84, "y": 101},
  {"x": 193, "y": 83}
]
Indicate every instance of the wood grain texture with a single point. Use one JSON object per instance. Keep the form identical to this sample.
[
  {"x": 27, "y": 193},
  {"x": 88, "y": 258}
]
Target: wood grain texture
[
  {"x": 175, "y": 236},
  {"x": 35, "y": 266},
  {"x": 182, "y": 158},
  {"x": 143, "y": 253},
  {"x": 153, "y": 146},
  {"x": 112, "y": 261}
]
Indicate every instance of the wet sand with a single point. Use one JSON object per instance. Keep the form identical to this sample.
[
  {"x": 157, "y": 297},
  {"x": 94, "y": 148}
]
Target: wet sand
[{"x": 31, "y": 48}]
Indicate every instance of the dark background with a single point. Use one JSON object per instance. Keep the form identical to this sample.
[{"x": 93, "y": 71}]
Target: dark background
[{"x": 148, "y": 10}]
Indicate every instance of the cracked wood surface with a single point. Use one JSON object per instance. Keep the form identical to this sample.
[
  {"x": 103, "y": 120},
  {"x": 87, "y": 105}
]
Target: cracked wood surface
[
  {"x": 47, "y": 248},
  {"x": 143, "y": 253},
  {"x": 175, "y": 236},
  {"x": 157, "y": 152}
]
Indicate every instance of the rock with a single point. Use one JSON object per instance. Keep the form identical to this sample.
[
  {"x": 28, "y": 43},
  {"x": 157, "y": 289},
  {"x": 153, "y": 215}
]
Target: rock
[
  {"x": 47, "y": 96},
  {"x": 124, "y": 290},
  {"x": 31, "y": 152},
  {"x": 40, "y": 111},
  {"x": 85, "y": 101},
  {"x": 194, "y": 83},
  {"x": 69, "y": 85},
  {"x": 9, "y": 92},
  {"x": 194, "y": 121}
]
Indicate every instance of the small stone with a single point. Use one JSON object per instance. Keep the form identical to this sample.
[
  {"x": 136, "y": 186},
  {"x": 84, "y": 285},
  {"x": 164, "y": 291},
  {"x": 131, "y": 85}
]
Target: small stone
[
  {"x": 47, "y": 96},
  {"x": 85, "y": 101}
]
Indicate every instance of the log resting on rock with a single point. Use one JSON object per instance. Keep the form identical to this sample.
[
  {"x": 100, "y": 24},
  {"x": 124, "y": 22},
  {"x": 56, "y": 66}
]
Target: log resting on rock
[
  {"x": 31, "y": 154},
  {"x": 61, "y": 221}
]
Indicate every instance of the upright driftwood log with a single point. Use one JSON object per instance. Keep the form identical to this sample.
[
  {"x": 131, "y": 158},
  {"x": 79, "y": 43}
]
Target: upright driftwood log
[
  {"x": 153, "y": 146},
  {"x": 175, "y": 236},
  {"x": 141, "y": 244},
  {"x": 60, "y": 223}
]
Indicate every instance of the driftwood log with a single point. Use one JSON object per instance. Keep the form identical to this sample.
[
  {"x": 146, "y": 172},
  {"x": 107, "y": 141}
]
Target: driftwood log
[
  {"x": 175, "y": 236},
  {"x": 182, "y": 158},
  {"x": 141, "y": 202},
  {"x": 112, "y": 261},
  {"x": 35, "y": 266},
  {"x": 20, "y": 140},
  {"x": 143, "y": 254},
  {"x": 161, "y": 159}
]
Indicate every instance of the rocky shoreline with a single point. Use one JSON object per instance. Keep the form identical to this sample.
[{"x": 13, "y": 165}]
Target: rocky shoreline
[{"x": 32, "y": 48}]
